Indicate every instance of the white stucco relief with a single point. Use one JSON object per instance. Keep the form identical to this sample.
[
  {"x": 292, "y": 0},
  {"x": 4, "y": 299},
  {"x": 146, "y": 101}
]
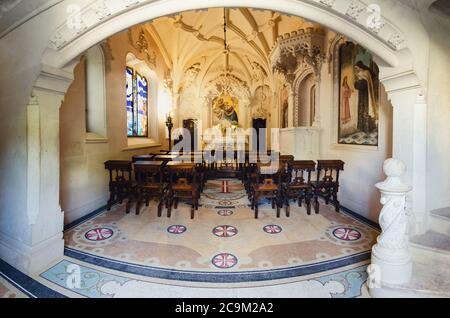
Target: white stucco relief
[{"x": 98, "y": 12}]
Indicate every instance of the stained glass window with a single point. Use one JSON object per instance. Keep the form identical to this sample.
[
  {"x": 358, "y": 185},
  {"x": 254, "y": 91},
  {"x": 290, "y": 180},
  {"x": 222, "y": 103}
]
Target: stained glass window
[
  {"x": 137, "y": 104},
  {"x": 141, "y": 120},
  {"x": 130, "y": 115}
]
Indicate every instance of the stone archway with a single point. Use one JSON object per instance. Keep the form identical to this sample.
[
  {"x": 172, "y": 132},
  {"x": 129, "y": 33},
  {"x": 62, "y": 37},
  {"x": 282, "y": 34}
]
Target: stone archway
[
  {"x": 303, "y": 107},
  {"x": 99, "y": 22}
]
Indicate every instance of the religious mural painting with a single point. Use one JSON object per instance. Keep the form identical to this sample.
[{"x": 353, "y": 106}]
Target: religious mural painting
[
  {"x": 225, "y": 111},
  {"x": 358, "y": 96}
]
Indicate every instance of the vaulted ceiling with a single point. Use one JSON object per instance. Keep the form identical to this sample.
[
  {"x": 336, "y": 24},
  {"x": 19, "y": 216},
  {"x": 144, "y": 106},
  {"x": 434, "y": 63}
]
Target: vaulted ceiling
[
  {"x": 15, "y": 12},
  {"x": 198, "y": 37}
]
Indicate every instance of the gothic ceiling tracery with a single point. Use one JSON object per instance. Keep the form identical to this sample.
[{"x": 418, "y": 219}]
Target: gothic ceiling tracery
[{"x": 198, "y": 37}]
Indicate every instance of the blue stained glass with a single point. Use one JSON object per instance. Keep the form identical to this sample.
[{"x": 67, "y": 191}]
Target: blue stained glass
[
  {"x": 137, "y": 104},
  {"x": 130, "y": 104},
  {"x": 142, "y": 106}
]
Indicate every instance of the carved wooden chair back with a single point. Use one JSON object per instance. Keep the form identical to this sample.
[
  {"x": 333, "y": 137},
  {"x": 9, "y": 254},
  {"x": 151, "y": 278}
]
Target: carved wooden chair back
[{"x": 328, "y": 171}]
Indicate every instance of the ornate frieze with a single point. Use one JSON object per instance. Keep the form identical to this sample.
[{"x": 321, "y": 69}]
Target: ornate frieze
[
  {"x": 100, "y": 11},
  {"x": 142, "y": 46},
  {"x": 228, "y": 84},
  {"x": 298, "y": 47},
  {"x": 328, "y": 3},
  {"x": 355, "y": 8},
  {"x": 397, "y": 41}
]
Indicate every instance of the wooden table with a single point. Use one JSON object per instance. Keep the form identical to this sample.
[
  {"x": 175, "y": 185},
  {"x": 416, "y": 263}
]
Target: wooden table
[
  {"x": 137, "y": 158},
  {"x": 165, "y": 158}
]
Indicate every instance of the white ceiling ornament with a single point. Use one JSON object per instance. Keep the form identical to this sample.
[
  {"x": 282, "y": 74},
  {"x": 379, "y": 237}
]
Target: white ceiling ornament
[
  {"x": 101, "y": 11},
  {"x": 354, "y": 10},
  {"x": 227, "y": 85},
  {"x": 191, "y": 75},
  {"x": 142, "y": 46},
  {"x": 257, "y": 71},
  {"x": 298, "y": 47}
]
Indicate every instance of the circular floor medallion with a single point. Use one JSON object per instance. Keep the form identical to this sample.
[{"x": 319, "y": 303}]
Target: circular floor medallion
[
  {"x": 226, "y": 203},
  {"x": 176, "y": 229},
  {"x": 225, "y": 231},
  {"x": 99, "y": 234},
  {"x": 272, "y": 229},
  {"x": 346, "y": 234},
  {"x": 225, "y": 212},
  {"x": 224, "y": 261}
]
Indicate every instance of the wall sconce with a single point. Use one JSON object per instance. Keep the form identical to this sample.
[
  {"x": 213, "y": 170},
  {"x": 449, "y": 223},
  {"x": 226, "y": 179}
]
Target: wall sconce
[{"x": 169, "y": 125}]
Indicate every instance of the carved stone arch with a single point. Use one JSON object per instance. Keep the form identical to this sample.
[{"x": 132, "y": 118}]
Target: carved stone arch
[
  {"x": 400, "y": 76},
  {"x": 300, "y": 78},
  {"x": 333, "y": 51}
]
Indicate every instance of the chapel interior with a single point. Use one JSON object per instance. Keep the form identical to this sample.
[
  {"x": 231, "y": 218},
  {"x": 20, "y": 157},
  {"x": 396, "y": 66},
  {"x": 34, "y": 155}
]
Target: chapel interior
[{"x": 232, "y": 152}]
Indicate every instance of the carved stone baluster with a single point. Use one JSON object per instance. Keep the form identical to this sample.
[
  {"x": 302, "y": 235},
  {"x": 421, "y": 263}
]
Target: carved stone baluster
[{"x": 391, "y": 259}]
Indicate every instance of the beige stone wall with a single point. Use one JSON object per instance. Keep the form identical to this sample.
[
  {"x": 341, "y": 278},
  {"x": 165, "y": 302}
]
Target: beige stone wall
[{"x": 84, "y": 182}]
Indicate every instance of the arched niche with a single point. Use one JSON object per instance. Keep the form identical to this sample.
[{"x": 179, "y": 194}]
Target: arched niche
[
  {"x": 95, "y": 93},
  {"x": 305, "y": 99}
]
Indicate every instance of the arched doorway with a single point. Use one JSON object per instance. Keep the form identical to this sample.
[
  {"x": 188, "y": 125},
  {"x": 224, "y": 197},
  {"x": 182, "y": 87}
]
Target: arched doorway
[{"x": 65, "y": 46}]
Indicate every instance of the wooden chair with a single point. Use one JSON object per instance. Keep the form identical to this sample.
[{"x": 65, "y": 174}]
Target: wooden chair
[
  {"x": 120, "y": 183},
  {"x": 149, "y": 184},
  {"x": 200, "y": 166},
  {"x": 327, "y": 182},
  {"x": 250, "y": 174},
  {"x": 298, "y": 185},
  {"x": 286, "y": 158},
  {"x": 267, "y": 186},
  {"x": 182, "y": 185}
]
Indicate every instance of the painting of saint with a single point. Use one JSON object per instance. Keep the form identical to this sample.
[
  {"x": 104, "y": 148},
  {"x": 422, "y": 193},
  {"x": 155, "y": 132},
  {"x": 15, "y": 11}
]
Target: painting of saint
[
  {"x": 346, "y": 95},
  {"x": 225, "y": 111},
  {"x": 358, "y": 92}
]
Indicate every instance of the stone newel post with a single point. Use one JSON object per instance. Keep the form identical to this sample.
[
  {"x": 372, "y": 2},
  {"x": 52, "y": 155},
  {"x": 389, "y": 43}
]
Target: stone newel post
[{"x": 391, "y": 260}]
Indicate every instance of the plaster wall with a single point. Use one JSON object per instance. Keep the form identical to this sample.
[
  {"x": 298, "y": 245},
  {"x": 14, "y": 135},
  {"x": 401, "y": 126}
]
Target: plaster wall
[{"x": 84, "y": 181}]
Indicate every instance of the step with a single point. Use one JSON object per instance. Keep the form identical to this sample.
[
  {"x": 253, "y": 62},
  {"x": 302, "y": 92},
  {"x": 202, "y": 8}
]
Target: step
[
  {"x": 431, "y": 247},
  {"x": 427, "y": 281},
  {"x": 440, "y": 221}
]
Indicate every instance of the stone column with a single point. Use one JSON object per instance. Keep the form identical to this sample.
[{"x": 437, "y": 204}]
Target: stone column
[
  {"x": 391, "y": 260},
  {"x": 45, "y": 218},
  {"x": 409, "y": 145},
  {"x": 316, "y": 122}
]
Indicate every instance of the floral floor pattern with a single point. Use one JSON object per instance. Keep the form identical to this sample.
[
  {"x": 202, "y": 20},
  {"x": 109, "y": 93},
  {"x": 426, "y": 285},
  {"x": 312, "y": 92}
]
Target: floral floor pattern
[
  {"x": 223, "y": 252},
  {"x": 223, "y": 238}
]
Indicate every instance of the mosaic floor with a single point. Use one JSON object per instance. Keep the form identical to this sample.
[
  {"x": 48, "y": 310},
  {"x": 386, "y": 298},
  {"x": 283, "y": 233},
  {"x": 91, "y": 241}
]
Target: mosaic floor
[{"x": 223, "y": 252}]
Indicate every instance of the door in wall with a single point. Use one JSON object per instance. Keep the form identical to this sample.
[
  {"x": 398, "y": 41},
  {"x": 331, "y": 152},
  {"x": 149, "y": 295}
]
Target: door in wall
[
  {"x": 260, "y": 125},
  {"x": 191, "y": 125}
]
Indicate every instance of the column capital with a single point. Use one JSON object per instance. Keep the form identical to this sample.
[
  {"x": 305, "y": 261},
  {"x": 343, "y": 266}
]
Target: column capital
[{"x": 53, "y": 80}]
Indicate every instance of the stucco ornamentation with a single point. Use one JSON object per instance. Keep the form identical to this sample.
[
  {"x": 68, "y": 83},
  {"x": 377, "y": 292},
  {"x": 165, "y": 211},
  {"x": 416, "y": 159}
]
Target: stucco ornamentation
[
  {"x": 328, "y": 3},
  {"x": 391, "y": 252},
  {"x": 101, "y": 11},
  {"x": 354, "y": 10}
]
